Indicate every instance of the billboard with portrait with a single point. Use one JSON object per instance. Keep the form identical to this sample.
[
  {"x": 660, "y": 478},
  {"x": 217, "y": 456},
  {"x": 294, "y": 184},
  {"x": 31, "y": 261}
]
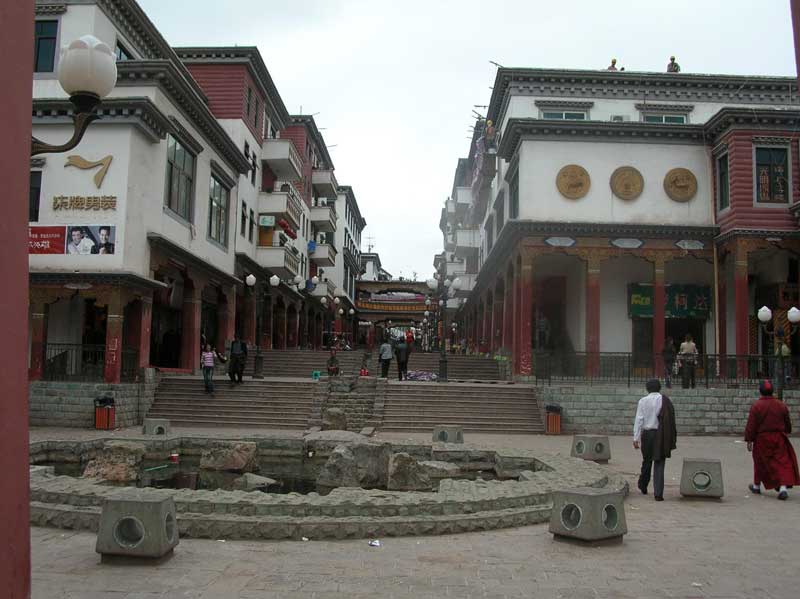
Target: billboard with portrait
[{"x": 83, "y": 240}]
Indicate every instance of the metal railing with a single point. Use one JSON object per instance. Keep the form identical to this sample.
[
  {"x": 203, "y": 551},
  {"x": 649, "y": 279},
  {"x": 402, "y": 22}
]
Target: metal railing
[
  {"x": 624, "y": 368},
  {"x": 84, "y": 363}
]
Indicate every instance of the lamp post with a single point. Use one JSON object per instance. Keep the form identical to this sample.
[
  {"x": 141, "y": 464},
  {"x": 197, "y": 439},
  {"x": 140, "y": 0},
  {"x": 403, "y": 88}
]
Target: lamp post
[
  {"x": 764, "y": 318},
  {"x": 258, "y": 366},
  {"x": 87, "y": 71},
  {"x": 444, "y": 290}
]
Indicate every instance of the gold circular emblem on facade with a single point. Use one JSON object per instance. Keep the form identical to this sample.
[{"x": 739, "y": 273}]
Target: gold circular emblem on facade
[
  {"x": 573, "y": 181},
  {"x": 627, "y": 183},
  {"x": 680, "y": 184}
]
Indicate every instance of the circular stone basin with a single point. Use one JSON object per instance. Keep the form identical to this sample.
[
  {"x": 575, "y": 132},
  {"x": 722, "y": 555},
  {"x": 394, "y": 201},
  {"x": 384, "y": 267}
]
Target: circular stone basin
[{"x": 519, "y": 494}]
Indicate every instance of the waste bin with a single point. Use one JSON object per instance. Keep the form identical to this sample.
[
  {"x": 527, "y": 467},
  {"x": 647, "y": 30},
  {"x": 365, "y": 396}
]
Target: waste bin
[
  {"x": 553, "y": 425},
  {"x": 105, "y": 413}
]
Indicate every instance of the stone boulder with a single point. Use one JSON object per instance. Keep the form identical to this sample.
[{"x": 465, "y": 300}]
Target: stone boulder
[
  {"x": 253, "y": 482},
  {"x": 335, "y": 437},
  {"x": 233, "y": 457},
  {"x": 406, "y": 474},
  {"x": 118, "y": 461},
  {"x": 437, "y": 469},
  {"x": 363, "y": 464},
  {"x": 334, "y": 419}
]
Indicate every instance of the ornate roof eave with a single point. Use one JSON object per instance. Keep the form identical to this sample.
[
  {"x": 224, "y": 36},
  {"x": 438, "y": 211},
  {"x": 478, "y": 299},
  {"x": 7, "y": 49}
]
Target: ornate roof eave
[
  {"x": 124, "y": 278},
  {"x": 319, "y": 141},
  {"x": 347, "y": 190},
  {"x": 592, "y": 84},
  {"x": 608, "y": 131},
  {"x": 249, "y": 55},
  {"x": 139, "y": 111},
  {"x": 44, "y": 8},
  {"x": 171, "y": 81},
  {"x": 759, "y": 233},
  {"x": 750, "y": 118}
]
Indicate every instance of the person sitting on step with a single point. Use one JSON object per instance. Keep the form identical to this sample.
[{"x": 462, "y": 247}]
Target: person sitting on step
[{"x": 333, "y": 364}]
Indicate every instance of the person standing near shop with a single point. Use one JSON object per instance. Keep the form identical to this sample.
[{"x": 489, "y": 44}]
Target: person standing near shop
[
  {"x": 401, "y": 351},
  {"x": 208, "y": 358},
  {"x": 668, "y": 357},
  {"x": 688, "y": 360},
  {"x": 385, "y": 357},
  {"x": 655, "y": 433},
  {"x": 238, "y": 360}
]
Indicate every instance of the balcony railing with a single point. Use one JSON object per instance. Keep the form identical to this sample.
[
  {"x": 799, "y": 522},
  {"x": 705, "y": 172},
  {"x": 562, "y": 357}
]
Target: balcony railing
[
  {"x": 280, "y": 259},
  {"x": 282, "y": 204},
  {"x": 84, "y": 363},
  {"x": 710, "y": 370},
  {"x": 324, "y": 217},
  {"x": 282, "y": 158}
]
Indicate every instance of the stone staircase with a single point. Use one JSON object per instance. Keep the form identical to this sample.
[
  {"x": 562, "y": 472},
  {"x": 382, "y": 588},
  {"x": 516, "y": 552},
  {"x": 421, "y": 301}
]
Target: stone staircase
[
  {"x": 486, "y": 408},
  {"x": 267, "y": 403},
  {"x": 459, "y": 368}
]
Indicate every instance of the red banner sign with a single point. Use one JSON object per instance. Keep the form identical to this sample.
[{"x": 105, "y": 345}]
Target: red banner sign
[{"x": 47, "y": 240}]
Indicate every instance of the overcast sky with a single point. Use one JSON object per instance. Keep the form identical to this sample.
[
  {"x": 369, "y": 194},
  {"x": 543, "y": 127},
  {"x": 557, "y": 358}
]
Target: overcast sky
[{"x": 394, "y": 83}]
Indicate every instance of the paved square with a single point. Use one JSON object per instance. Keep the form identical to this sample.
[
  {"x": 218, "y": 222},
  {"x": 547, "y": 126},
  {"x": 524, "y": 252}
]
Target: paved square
[{"x": 743, "y": 546}]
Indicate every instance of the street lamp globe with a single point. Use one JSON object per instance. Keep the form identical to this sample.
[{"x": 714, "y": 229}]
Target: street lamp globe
[
  {"x": 351, "y": 311},
  {"x": 456, "y": 283},
  {"x": 447, "y": 283},
  {"x": 341, "y": 311},
  {"x": 433, "y": 285},
  {"x": 88, "y": 67},
  {"x": 323, "y": 301},
  {"x": 336, "y": 301},
  {"x": 427, "y": 313},
  {"x": 298, "y": 280},
  {"x": 274, "y": 280},
  {"x": 764, "y": 314},
  {"x": 315, "y": 280},
  {"x": 250, "y": 280},
  {"x": 794, "y": 315},
  {"x": 424, "y": 321},
  {"x": 427, "y": 301}
]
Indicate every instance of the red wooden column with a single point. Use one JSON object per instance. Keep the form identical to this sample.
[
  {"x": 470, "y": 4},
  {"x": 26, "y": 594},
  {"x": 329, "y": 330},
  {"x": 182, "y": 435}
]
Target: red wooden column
[
  {"x": 722, "y": 310},
  {"x": 113, "y": 358},
  {"x": 516, "y": 317},
  {"x": 593, "y": 315},
  {"x": 659, "y": 317},
  {"x": 498, "y": 322},
  {"x": 526, "y": 318},
  {"x": 508, "y": 315},
  {"x": 478, "y": 324},
  {"x": 190, "y": 329},
  {"x": 492, "y": 320},
  {"x": 249, "y": 316},
  {"x": 741, "y": 306},
  {"x": 139, "y": 325},
  {"x": 38, "y": 340}
]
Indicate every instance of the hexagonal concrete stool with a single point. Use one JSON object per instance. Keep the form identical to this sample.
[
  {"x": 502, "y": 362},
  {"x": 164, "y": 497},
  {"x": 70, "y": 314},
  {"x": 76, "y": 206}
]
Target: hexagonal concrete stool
[
  {"x": 137, "y": 524},
  {"x": 702, "y": 477},
  {"x": 588, "y": 514},
  {"x": 448, "y": 434},
  {"x": 155, "y": 426},
  {"x": 594, "y": 448}
]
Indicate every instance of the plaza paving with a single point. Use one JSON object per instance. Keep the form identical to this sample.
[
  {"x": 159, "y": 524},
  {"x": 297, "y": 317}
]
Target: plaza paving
[{"x": 743, "y": 546}]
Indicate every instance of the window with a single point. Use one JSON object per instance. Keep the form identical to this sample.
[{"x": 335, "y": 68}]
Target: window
[
  {"x": 256, "y": 113},
  {"x": 272, "y": 133},
  {"x": 722, "y": 182},
  {"x": 252, "y": 225},
  {"x": 218, "y": 212},
  {"x": 489, "y": 235},
  {"x": 665, "y": 119},
  {"x": 253, "y": 164},
  {"x": 44, "y": 46},
  {"x": 243, "y": 220},
  {"x": 772, "y": 176},
  {"x": 249, "y": 104},
  {"x": 500, "y": 210},
  {"x": 35, "y": 191},
  {"x": 246, "y": 148},
  {"x": 122, "y": 53},
  {"x": 513, "y": 197},
  {"x": 180, "y": 175},
  {"x": 564, "y": 115}
]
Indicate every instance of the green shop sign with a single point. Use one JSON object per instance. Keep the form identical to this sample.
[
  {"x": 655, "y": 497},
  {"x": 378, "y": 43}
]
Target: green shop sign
[{"x": 683, "y": 301}]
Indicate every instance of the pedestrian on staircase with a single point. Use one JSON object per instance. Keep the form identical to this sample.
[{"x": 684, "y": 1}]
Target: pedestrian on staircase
[
  {"x": 238, "y": 360},
  {"x": 385, "y": 357},
  {"x": 207, "y": 360},
  {"x": 401, "y": 351}
]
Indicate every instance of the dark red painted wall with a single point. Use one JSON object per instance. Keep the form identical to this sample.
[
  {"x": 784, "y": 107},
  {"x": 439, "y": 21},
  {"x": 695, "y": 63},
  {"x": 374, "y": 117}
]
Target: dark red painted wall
[
  {"x": 299, "y": 135},
  {"x": 743, "y": 214},
  {"x": 17, "y": 41}
]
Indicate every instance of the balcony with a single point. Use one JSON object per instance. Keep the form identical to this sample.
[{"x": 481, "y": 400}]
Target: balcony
[
  {"x": 467, "y": 242},
  {"x": 324, "y": 217},
  {"x": 280, "y": 259},
  {"x": 324, "y": 289},
  {"x": 324, "y": 254},
  {"x": 282, "y": 158},
  {"x": 324, "y": 183},
  {"x": 282, "y": 204}
]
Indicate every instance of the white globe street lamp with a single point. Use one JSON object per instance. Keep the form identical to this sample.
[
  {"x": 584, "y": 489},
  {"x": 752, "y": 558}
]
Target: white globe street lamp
[
  {"x": 341, "y": 311},
  {"x": 337, "y": 301},
  {"x": 274, "y": 280},
  {"x": 794, "y": 315},
  {"x": 323, "y": 301},
  {"x": 351, "y": 312},
  {"x": 433, "y": 285},
  {"x": 764, "y": 314},
  {"x": 315, "y": 280},
  {"x": 298, "y": 280},
  {"x": 250, "y": 280},
  {"x": 457, "y": 283}
]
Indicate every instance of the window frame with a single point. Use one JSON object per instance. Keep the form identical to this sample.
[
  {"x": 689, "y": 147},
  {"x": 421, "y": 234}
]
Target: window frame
[
  {"x": 243, "y": 220},
  {"x": 252, "y": 225},
  {"x": 787, "y": 147},
  {"x": 120, "y": 46},
  {"x": 223, "y": 224},
  {"x": 718, "y": 180},
  {"x": 56, "y": 54},
  {"x": 663, "y": 116},
  {"x": 513, "y": 197},
  {"x": 548, "y": 115},
  {"x": 188, "y": 218},
  {"x": 38, "y": 196}
]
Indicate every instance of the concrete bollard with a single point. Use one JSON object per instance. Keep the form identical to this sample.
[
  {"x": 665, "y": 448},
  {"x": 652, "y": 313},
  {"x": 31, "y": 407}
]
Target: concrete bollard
[
  {"x": 137, "y": 523},
  {"x": 702, "y": 478},
  {"x": 594, "y": 448},
  {"x": 155, "y": 426},
  {"x": 588, "y": 514},
  {"x": 448, "y": 434}
]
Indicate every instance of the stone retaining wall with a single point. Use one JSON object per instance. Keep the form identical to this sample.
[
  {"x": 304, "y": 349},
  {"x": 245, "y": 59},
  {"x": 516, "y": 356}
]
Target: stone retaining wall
[
  {"x": 57, "y": 403},
  {"x": 611, "y": 410}
]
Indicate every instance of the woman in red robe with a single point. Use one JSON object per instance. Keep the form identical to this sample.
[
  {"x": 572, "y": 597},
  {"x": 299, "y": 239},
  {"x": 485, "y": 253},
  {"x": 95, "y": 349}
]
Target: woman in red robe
[{"x": 774, "y": 460}]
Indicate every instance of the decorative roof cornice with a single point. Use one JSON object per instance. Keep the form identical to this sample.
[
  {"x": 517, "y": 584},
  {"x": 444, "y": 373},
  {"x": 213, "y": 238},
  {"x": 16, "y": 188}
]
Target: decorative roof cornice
[
  {"x": 766, "y": 119},
  {"x": 608, "y": 131},
  {"x": 122, "y": 278},
  {"x": 184, "y": 255},
  {"x": 165, "y": 75},
  {"x": 138, "y": 111},
  {"x": 250, "y": 56},
  {"x": 350, "y": 198},
  {"x": 563, "y": 104},
  {"x": 319, "y": 142},
  {"x": 760, "y": 233},
  {"x": 629, "y": 85},
  {"x": 50, "y": 8},
  {"x": 675, "y": 108}
]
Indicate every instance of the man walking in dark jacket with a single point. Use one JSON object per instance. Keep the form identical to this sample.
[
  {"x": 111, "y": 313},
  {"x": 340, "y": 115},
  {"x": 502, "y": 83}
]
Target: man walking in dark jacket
[
  {"x": 654, "y": 431},
  {"x": 238, "y": 359},
  {"x": 401, "y": 351}
]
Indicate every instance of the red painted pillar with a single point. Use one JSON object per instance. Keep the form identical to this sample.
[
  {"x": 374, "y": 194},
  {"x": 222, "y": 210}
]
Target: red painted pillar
[
  {"x": 139, "y": 325},
  {"x": 593, "y": 316},
  {"x": 113, "y": 358},
  {"x": 190, "y": 327},
  {"x": 722, "y": 311},
  {"x": 249, "y": 317},
  {"x": 492, "y": 321},
  {"x": 38, "y": 341},
  {"x": 283, "y": 315},
  {"x": 526, "y": 320},
  {"x": 517, "y": 318},
  {"x": 508, "y": 315},
  {"x": 478, "y": 327},
  {"x": 741, "y": 308},
  {"x": 659, "y": 318}
]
